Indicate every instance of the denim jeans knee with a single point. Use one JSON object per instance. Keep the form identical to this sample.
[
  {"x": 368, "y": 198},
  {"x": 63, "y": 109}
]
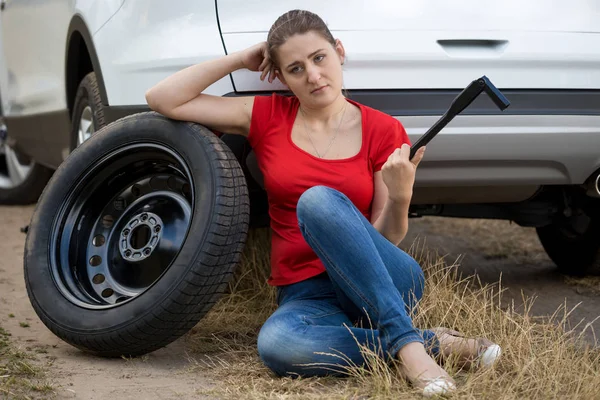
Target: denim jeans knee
[
  {"x": 292, "y": 341},
  {"x": 270, "y": 348},
  {"x": 314, "y": 202}
]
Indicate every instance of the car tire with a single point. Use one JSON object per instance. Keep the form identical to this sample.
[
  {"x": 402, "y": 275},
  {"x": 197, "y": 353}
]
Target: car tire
[
  {"x": 88, "y": 111},
  {"x": 29, "y": 190},
  {"x": 137, "y": 166},
  {"x": 575, "y": 252},
  {"x": 24, "y": 187}
]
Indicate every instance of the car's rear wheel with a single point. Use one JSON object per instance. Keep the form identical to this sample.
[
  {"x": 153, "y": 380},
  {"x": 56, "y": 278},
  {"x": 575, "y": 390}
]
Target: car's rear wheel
[
  {"x": 136, "y": 235},
  {"x": 573, "y": 242},
  {"x": 21, "y": 179}
]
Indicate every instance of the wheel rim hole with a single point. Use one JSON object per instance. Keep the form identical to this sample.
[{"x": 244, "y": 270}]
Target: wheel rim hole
[
  {"x": 186, "y": 190},
  {"x": 107, "y": 292},
  {"x": 95, "y": 261},
  {"x": 108, "y": 221},
  {"x": 140, "y": 237},
  {"x": 98, "y": 279},
  {"x": 98, "y": 240},
  {"x": 135, "y": 190},
  {"x": 172, "y": 183}
]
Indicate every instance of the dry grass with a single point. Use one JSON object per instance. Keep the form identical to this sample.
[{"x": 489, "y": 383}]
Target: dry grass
[
  {"x": 541, "y": 358},
  {"x": 19, "y": 377},
  {"x": 589, "y": 285}
]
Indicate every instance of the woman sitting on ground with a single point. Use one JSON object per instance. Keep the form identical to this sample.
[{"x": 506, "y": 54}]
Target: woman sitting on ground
[{"x": 339, "y": 182}]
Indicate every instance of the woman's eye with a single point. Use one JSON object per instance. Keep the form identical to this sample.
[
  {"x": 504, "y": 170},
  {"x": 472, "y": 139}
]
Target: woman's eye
[
  {"x": 296, "y": 70},
  {"x": 319, "y": 58}
]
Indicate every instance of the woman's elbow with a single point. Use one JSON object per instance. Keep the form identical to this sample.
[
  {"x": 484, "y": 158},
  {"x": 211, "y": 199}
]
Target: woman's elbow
[{"x": 152, "y": 100}]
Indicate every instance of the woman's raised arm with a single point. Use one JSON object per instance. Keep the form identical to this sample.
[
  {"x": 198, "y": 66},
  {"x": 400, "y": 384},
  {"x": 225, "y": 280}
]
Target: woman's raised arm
[{"x": 180, "y": 96}]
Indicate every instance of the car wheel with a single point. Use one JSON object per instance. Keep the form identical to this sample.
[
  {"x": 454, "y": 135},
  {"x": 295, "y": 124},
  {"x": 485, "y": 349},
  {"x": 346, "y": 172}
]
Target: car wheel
[
  {"x": 21, "y": 179},
  {"x": 573, "y": 243},
  {"x": 136, "y": 235},
  {"x": 88, "y": 111}
]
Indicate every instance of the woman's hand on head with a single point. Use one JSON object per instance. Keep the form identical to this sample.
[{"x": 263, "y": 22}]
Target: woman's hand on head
[
  {"x": 398, "y": 173},
  {"x": 256, "y": 58}
]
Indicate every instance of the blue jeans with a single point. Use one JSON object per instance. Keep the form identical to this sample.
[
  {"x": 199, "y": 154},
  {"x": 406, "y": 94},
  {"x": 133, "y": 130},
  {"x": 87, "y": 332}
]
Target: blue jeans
[{"x": 365, "y": 295}]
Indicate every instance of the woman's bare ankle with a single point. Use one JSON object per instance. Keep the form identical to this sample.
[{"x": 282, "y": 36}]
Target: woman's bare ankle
[{"x": 416, "y": 365}]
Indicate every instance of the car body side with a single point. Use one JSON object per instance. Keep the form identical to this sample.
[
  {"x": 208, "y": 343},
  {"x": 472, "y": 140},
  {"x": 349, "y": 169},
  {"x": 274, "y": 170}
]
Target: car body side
[{"x": 550, "y": 135}]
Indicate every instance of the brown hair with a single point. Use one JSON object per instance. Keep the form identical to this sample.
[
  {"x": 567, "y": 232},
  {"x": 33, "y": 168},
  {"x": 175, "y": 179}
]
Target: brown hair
[{"x": 292, "y": 23}]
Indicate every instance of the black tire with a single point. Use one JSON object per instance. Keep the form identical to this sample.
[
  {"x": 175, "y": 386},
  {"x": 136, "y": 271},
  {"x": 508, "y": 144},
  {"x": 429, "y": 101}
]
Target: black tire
[
  {"x": 88, "y": 94},
  {"x": 574, "y": 253},
  {"x": 199, "y": 269}
]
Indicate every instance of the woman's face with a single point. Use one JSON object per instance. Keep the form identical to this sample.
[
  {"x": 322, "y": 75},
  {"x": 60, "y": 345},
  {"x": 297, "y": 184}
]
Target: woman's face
[{"x": 311, "y": 67}]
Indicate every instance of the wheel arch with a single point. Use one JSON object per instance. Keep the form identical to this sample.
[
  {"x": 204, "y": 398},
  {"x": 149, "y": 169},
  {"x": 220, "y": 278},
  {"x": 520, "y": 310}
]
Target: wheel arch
[{"x": 81, "y": 59}]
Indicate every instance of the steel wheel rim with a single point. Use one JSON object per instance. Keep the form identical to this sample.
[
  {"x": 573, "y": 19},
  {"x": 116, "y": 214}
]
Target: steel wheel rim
[
  {"x": 141, "y": 193},
  {"x": 12, "y": 172},
  {"x": 86, "y": 125}
]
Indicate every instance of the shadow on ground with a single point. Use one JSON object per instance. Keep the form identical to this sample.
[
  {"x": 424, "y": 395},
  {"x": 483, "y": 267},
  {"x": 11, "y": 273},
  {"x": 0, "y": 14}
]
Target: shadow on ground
[{"x": 500, "y": 251}]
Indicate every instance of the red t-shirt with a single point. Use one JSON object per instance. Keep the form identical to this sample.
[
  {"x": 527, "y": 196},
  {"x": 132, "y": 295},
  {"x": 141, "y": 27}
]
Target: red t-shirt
[{"x": 289, "y": 171}]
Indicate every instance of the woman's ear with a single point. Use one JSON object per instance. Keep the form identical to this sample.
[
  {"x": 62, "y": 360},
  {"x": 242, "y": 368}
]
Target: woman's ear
[{"x": 339, "y": 49}]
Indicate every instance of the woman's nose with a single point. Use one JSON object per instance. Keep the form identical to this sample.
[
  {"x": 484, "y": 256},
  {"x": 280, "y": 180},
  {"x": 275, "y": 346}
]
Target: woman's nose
[{"x": 313, "y": 74}]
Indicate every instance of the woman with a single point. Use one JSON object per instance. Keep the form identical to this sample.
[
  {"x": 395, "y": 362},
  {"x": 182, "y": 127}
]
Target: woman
[{"x": 339, "y": 181}]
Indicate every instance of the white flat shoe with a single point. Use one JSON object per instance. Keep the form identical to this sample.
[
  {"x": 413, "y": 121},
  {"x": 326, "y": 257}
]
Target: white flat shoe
[
  {"x": 489, "y": 355},
  {"x": 438, "y": 387}
]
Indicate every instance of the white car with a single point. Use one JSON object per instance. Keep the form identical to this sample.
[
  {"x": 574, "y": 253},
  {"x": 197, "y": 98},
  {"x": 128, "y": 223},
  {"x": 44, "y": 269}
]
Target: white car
[{"x": 70, "y": 68}]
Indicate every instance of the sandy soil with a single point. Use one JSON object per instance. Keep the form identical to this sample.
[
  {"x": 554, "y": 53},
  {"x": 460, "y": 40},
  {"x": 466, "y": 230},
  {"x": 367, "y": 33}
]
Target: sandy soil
[
  {"x": 76, "y": 375},
  {"x": 164, "y": 374}
]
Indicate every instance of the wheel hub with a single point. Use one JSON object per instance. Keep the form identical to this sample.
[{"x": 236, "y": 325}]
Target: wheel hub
[
  {"x": 140, "y": 236},
  {"x": 86, "y": 125},
  {"x": 12, "y": 171},
  {"x": 3, "y": 135},
  {"x": 122, "y": 226}
]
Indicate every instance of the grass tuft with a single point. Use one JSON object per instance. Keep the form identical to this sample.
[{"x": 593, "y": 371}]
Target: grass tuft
[{"x": 20, "y": 378}]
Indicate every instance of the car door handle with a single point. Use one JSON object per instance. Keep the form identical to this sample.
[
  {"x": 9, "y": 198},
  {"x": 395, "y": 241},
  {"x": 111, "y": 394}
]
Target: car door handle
[{"x": 473, "y": 47}]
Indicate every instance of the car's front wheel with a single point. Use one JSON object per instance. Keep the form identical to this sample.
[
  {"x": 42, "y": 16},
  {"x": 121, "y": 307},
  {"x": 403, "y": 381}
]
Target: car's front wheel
[
  {"x": 573, "y": 242},
  {"x": 88, "y": 111},
  {"x": 21, "y": 179}
]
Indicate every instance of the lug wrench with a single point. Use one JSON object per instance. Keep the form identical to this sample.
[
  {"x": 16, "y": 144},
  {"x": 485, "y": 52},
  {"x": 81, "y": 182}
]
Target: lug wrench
[{"x": 460, "y": 102}]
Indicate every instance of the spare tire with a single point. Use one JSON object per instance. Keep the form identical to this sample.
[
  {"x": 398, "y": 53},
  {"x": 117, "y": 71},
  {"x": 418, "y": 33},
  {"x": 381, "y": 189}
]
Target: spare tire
[{"x": 136, "y": 235}]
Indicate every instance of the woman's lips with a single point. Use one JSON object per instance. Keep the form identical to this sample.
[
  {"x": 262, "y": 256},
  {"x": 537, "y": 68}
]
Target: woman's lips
[{"x": 317, "y": 90}]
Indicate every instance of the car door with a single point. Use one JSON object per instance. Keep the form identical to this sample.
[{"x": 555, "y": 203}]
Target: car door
[
  {"x": 434, "y": 44},
  {"x": 3, "y": 71},
  {"x": 34, "y": 44}
]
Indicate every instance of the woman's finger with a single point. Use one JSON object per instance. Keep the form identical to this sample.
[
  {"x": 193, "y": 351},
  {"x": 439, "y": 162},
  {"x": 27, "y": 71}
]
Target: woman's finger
[
  {"x": 418, "y": 156},
  {"x": 263, "y": 64},
  {"x": 264, "y": 73},
  {"x": 405, "y": 151},
  {"x": 270, "y": 69}
]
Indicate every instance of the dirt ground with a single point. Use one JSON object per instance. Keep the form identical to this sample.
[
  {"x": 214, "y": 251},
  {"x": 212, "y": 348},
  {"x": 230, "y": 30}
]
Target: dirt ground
[
  {"x": 493, "y": 249},
  {"x": 74, "y": 374}
]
